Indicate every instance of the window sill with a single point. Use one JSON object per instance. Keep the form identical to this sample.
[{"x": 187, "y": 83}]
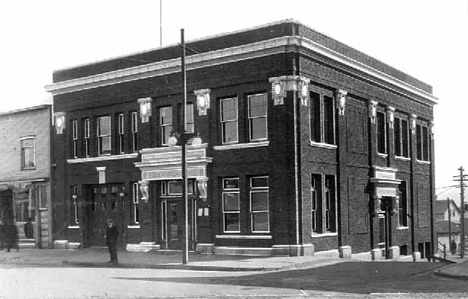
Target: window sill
[
  {"x": 28, "y": 168},
  {"x": 402, "y": 158},
  {"x": 423, "y": 162},
  {"x": 315, "y": 235},
  {"x": 402, "y": 228},
  {"x": 133, "y": 226},
  {"x": 241, "y": 145},
  {"x": 244, "y": 237},
  {"x": 323, "y": 145},
  {"x": 74, "y": 226},
  {"x": 102, "y": 158},
  {"x": 382, "y": 155}
]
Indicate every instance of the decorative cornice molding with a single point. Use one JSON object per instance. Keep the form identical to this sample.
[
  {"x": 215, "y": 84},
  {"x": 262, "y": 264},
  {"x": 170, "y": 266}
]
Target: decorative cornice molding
[
  {"x": 243, "y": 52},
  {"x": 240, "y": 145}
]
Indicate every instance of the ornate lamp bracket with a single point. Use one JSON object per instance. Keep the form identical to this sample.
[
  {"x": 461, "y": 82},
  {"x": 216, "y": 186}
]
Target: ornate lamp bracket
[
  {"x": 341, "y": 101},
  {"x": 373, "y": 110}
]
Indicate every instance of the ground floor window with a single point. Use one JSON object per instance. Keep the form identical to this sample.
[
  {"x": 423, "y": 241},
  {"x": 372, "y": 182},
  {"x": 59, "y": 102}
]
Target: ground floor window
[
  {"x": 231, "y": 205},
  {"x": 403, "y": 206},
  {"x": 24, "y": 205},
  {"x": 259, "y": 205},
  {"x": 135, "y": 210},
  {"x": 74, "y": 207},
  {"x": 323, "y": 204}
]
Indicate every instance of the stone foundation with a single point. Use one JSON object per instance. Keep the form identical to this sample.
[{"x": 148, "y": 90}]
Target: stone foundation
[{"x": 143, "y": 247}]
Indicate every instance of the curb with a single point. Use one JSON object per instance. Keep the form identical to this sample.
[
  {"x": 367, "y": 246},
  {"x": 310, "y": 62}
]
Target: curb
[
  {"x": 169, "y": 266},
  {"x": 440, "y": 272}
]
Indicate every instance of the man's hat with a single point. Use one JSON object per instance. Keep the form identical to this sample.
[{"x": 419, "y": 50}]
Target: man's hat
[{"x": 110, "y": 220}]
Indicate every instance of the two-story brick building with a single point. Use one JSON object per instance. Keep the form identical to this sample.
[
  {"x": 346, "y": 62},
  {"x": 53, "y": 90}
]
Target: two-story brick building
[
  {"x": 25, "y": 181},
  {"x": 307, "y": 145}
]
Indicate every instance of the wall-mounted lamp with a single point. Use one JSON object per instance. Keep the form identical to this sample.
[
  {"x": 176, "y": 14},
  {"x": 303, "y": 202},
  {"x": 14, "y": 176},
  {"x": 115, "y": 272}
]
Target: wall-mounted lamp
[
  {"x": 59, "y": 122},
  {"x": 341, "y": 101},
  {"x": 203, "y": 100},
  {"x": 145, "y": 109},
  {"x": 74, "y": 196},
  {"x": 144, "y": 191}
]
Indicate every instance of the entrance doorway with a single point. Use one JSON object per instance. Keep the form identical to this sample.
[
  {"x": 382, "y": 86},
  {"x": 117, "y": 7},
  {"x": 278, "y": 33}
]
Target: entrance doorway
[
  {"x": 101, "y": 203},
  {"x": 173, "y": 222}
]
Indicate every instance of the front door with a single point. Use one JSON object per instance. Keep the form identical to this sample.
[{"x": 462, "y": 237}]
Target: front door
[
  {"x": 102, "y": 202},
  {"x": 173, "y": 223}
]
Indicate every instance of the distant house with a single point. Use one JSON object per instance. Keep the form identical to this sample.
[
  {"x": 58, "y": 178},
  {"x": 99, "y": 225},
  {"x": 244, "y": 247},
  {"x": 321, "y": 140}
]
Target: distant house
[
  {"x": 442, "y": 210},
  {"x": 446, "y": 233},
  {"x": 25, "y": 184}
]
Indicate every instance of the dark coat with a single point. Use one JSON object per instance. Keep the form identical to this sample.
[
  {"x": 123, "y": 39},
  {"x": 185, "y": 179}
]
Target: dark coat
[
  {"x": 29, "y": 230},
  {"x": 10, "y": 234},
  {"x": 112, "y": 234}
]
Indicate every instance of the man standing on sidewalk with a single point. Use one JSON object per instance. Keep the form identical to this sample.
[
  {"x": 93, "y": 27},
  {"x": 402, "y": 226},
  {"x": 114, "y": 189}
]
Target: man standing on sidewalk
[{"x": 112, "y": 234}]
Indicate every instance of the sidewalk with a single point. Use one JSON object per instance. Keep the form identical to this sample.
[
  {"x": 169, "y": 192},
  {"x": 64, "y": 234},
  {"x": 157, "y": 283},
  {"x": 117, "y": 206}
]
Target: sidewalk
[
  {"x": 98, "y": 257},
  {"x": 457, "y": 270}
]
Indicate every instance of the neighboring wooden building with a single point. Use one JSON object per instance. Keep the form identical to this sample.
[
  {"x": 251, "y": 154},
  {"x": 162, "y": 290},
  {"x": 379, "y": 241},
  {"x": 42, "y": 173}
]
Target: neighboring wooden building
[
  {"x": 307, "y": 145},
  {"x": 25, "y": 181}
]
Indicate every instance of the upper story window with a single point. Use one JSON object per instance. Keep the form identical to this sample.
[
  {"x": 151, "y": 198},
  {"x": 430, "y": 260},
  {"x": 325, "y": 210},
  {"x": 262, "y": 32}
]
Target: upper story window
[
  {"x": 258, "y": 117},
  {"x": 104, "y": 135},
  {"x": 381, "y": 133},
  {"x": 134, "y": 131},
  {"x": 87, "y": 135},
  {"x": 121, "y": 124},
  {"x": 422, "y": 138},
  {"x": 229, "y": 120},
  {"x": 231, "y": 205},
  {"x": 75, "y": 138},
  {"x": 28, "y": 159},
  {"x": 259, "y": 204},
  {"x": 401, "y": 137},
  {"x": 165, "y": 122},
  {"x": 322, "y": 118},
  {"x": 189, "y": 120}
]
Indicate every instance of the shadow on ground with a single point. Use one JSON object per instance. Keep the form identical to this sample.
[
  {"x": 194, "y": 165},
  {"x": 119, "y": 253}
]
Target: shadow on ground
[{"x": 350, "y": 277}]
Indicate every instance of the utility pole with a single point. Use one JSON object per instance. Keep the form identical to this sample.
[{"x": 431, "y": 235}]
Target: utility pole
[
  {"x": 449, "y": 220},
  {"x": 460, "y": 178}
]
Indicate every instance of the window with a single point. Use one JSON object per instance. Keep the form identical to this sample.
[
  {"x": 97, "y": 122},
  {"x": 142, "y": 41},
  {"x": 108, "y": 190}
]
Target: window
[
  {"x": 401, "y": 137},
  {"x": 135, "y": 217},
  {"x": 322, "y": 118},
  {"x": 231, "y": 205},
  {"x": 74, "y": 206},
  {"x": 28, "y": 159},
  {"x": 75, "y": 138},
  {"x": 41, "y": 196},
  {"x": 381, "y": 133},
  {"x": 165, "y": 122},
  {"x": 259, "y": 205},
  {"x": 86, "y": 137},
  {"x": 190, "y": 126},
  {"x": 422, "y": 138},
  {"x": 134, "y": 132},
  {"x": 104, "y": 135},
  {"x": 228, "y": 109},
  {"x": 403, "y": 205},
  {"x": 121, "y": 122},
  {"x": 258, "y": 117},
  {"x": 323, "y": 204}
]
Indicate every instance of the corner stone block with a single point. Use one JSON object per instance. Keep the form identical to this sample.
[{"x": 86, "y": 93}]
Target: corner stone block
[
  {"x": 416, "y": 256},
  {"x": 61, "y": 244},
  {"x": 377, "y": 254},
  {"x": 394, "y": 252},
  {"x": 345, "y": 252},
  {"x": 205, "y": 248}
]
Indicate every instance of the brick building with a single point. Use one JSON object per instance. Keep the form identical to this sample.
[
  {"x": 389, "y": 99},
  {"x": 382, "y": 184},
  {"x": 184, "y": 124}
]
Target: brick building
[
  {"x": 307, "y": 145},
  {"x": 25, "y": 173}
]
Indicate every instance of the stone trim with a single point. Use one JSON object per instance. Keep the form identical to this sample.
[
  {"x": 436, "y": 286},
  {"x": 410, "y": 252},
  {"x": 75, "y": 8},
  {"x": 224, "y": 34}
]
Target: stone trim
[{"x": 102, "y": 158}]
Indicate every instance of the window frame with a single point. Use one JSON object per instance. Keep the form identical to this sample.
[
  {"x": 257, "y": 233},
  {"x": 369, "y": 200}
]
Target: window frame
[
  {"x": 75, "y": 207},
  {"x": 75, "y": 139},
  {"x": 225, "y": 122},
  {"x": 262, "y": 189},
  {"x": 165, "y": 126},
  {"x": 403, "y": 205},
  {"x": 325, "y": 220},
  {"x": 23, "y": 153},
  {"x": 253, "y": 119},
  {"x": 238, "y": 211},
  {"x": 322, "y": 117},
  {"x": 121, "y": 133},
  {"x": 422, "y": 143},
  {"x": 135, "y": 210},
  {"x": 401, "y": 137},
  {"x": 381, "y": 133},
  {"x": 102, "y": 137},
  {"x": 87, "y": 137}
]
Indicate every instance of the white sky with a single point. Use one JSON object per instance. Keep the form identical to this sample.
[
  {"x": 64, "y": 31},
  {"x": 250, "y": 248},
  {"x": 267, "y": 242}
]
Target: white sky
[{"x": 427, "y": 39}]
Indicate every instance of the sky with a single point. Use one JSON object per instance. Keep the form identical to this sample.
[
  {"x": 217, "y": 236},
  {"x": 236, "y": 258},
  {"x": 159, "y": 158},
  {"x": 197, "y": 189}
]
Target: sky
[{"x": 427, "y": 39}]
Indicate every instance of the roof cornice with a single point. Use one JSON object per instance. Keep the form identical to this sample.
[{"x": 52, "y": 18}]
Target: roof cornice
[{"x": 228, "y": 55}]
